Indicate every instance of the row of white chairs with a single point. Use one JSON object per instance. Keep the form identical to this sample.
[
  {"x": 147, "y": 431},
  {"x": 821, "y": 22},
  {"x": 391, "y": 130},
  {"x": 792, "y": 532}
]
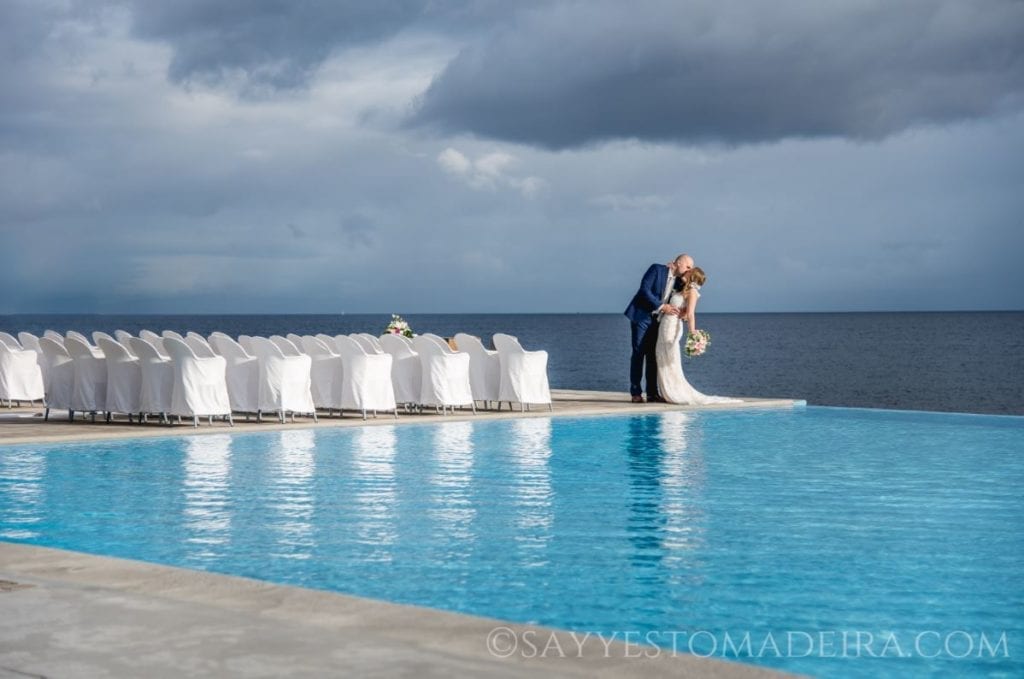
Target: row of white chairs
[{"x": 190, "y": 375}]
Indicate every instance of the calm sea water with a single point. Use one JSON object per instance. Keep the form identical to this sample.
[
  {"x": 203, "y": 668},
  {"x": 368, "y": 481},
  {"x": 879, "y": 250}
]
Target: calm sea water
[{"x": 960, "y": 362}]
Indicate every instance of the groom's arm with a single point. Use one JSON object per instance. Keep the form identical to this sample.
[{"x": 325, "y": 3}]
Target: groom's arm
[{"x": 649, "y": 299}]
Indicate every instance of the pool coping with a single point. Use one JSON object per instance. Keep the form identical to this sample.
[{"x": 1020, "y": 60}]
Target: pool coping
[
  {"x": 76, "y": 614},
  {"x": 566, "y": 403}
]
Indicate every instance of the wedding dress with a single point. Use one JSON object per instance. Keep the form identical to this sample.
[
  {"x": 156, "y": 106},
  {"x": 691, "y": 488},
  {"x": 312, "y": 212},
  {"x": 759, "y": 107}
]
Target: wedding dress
[{"x": 671, "y": 382}]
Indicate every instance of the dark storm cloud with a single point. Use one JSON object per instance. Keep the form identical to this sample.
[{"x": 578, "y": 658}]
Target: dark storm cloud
[
  {"x": 278, "y": 45},
  {"x": 570, "y": 74}
]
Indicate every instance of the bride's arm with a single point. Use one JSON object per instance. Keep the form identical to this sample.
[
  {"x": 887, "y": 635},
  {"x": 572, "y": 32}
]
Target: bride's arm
[{"x": 691, "y": 310}]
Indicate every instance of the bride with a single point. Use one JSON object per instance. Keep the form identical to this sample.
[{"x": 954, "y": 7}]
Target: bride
[{"x": 671, "y": 382}]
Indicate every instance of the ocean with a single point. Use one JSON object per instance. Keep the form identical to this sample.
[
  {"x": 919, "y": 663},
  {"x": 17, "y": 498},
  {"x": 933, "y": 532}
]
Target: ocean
[{"x": 970, "y": 362}]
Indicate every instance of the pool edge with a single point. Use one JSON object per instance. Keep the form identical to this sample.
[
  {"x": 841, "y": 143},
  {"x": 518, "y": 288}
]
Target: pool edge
[{"x": 74, "y": 610}]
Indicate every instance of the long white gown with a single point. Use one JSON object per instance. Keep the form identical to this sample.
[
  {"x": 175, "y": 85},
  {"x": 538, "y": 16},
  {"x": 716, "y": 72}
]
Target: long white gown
[{"x": 671, "y": 382}]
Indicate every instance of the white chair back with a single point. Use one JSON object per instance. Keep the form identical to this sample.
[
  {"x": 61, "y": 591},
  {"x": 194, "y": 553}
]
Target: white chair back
[
  {"x": 54, "y": 335},
  {"x": 200, "y": 384},
  {"x": 199, "y": 345},
  {"x": 28, "y": 341},
  {"x": 286, "y": 346},
  {"x": 157, "y": 385},
  {"x": 98, "y": 334},
  {"x": 243, "y": 373},
  {"x": 89, "y": 393},
  {"x": 60, "y": 374},
  {"x": 124, "y": 377},
  {"x": 484, "y": 367},
  {"x": 10, "y": 341},
  {"x": 173, "y": 335},
  {"x": 79, "y": 336},
  {"x": 155, "y": 340},
  {"x": 328, "y": 340}
]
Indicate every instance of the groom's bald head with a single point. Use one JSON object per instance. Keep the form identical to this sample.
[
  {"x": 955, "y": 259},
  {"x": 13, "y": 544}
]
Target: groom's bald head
[{"x": 683, "y": 263}]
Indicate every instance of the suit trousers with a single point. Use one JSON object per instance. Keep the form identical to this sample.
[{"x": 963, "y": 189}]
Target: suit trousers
[{"x": 644, "y": 340}]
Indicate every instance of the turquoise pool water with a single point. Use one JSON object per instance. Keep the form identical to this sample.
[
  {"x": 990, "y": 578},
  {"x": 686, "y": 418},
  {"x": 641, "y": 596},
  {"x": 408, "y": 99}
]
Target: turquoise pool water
[{"x": 687, "y": 528}]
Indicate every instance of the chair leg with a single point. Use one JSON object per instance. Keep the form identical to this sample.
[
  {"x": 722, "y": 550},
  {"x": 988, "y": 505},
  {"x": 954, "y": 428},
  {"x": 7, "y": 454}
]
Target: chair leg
[
  {"x": 209, "y": 420},
  {"x": 231, "y": 420},
  {"x": 364, "y": 414},
  {"x": 71, "y": 415},
  {"x": 315, "y": 419},
  {"x": 94, "y": 417},
  {"x": 46, "y": 415},
  {"x": 473, "y": 405},
  {"x": 195, "y": 421},
  {"x": 551, "y": 407},
  {"x": 396, "y": 412}
]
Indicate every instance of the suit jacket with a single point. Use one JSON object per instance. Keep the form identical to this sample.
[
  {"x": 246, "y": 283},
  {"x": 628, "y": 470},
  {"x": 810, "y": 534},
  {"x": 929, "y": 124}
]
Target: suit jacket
[{"x": 648, "y": 298}]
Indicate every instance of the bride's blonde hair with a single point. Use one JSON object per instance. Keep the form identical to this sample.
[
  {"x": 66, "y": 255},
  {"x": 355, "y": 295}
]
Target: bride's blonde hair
[{"x": 697, "y": 277}]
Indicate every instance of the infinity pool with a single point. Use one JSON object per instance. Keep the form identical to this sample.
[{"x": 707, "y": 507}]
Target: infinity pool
[{"x": 847, "y": 530}]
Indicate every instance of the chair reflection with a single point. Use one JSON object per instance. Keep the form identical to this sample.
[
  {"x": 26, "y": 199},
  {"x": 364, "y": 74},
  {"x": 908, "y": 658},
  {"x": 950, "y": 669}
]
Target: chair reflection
[
  {"x": 22, "y": 494},
  {"x": 373, "y": 462},
  {"x": 206, "y": 488}
]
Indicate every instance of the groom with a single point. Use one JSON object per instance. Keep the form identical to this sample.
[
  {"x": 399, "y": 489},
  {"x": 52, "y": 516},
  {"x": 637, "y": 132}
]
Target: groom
[{"x": 644, "y": 312}]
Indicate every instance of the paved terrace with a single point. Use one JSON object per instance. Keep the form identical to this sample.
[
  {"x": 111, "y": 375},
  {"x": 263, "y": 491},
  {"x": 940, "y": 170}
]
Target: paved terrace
[
  {"x": 68, "y": 614},
  {"x": 26, "y": 425}
]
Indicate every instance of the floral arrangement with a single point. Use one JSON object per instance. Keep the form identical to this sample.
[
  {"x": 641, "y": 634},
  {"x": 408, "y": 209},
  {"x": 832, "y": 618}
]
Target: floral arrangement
[
  {"x": 697, "y": 343},
  {"x": 399, "y": 326}
]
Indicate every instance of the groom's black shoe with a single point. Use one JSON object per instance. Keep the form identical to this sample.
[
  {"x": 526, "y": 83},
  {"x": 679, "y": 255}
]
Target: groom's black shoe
[
  {"x": 638, "y": 399},
  {"x": 656, "y": 399}
]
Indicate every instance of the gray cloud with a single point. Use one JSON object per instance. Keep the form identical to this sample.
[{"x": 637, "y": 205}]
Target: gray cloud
[
  {"x": 707, "y": 71},
  {"x": 273, "y": 45}
]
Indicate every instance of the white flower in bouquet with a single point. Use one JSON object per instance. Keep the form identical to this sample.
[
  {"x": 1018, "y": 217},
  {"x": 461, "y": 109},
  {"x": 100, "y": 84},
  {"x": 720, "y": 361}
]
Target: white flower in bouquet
[
  {"x": 399, "y": 326},
  {"x": 697, "y": 343}
]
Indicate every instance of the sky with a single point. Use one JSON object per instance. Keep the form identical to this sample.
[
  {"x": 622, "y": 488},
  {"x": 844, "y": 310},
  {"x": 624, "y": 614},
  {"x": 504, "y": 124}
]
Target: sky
[{"x": 413, "y": 156}]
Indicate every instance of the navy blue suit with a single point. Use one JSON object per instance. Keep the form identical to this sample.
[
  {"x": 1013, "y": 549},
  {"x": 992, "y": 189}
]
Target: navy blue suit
[{"x": 642, "y": 314}]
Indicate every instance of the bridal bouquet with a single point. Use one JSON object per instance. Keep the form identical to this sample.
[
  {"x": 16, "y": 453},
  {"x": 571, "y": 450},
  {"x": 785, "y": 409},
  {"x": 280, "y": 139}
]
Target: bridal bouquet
[
  {"x": 697, "y": 343},
  {"x": 399, "y": 326}
]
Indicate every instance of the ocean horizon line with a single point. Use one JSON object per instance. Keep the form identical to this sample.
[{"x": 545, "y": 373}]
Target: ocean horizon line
[{"x": 491, "y": 313}]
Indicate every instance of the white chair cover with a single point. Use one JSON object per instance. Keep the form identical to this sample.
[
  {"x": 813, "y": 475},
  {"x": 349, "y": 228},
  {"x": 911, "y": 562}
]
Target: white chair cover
[
  {"x": 366, "y": 345},
  {"x": 200, "y": 384},
  {"x": 155, "y": 340},
  {"x": 372, "y": 341},
  {"x": 406, "y": 373},
  {"x": 55, "y": 336},
  {"x": 28, "y": 341},
  {"x": 287, "y": 347},
  {"x": 122, "y": 337},
  {"x": 329, "y": 341},
  {"x": 484, "y": 367},
  {"x": 97, "y": 335},
  {"x": 199, "y": 345},
  {"x": 243, "y": 373},
  {"x": 89, "y": 394},
  {"x": 124, "y": 378},
  {"x": 172, "y": 334},
  {"x": 10, "y": 341},
  {"x": 60, "y": 375},
  {"x": 296, "y": 340},
  {"x": 366, "y": 380},
  {"x": 79, "y": 336},
  {"x": 31, "y": 342},
  {"x": 439, "y": 341},
  {"x": 20, "y": 376},
  {"x": 445, "y": 375},
  {"x": 157, "y": 378},
  {"x": 285, "y": 382},
  {"x": 246, "y": 342},
  {"x": 524, "y": 374},
  {"x": 327, "y": 373}
]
